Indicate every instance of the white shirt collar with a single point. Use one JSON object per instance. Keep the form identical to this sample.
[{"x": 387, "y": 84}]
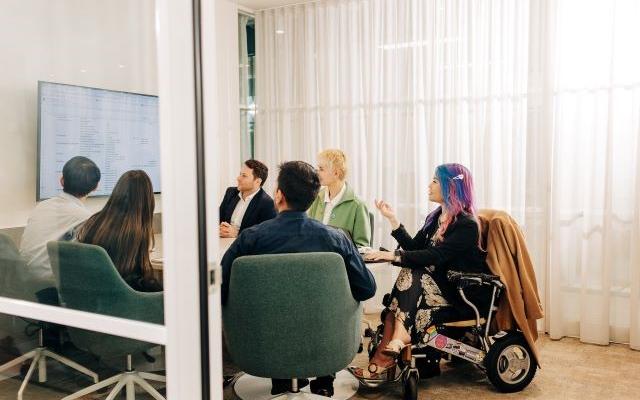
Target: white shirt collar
[
  {"x": 335, "y": 199},
  {"x": 249, "y": 197}
]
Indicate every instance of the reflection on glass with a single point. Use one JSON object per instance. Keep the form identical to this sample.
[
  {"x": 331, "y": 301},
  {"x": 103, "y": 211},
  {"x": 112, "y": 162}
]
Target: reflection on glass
[
  {"x": 87, "y": 114},
  {"x": 80, "y": 106},
  {"x": 73, "y": 359}
]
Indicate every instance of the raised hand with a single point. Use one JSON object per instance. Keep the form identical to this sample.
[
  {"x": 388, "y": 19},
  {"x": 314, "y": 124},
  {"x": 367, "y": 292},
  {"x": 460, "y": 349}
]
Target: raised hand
[
  {"x": 387, "y": 211},
  {"x": 385, "y": 208}
]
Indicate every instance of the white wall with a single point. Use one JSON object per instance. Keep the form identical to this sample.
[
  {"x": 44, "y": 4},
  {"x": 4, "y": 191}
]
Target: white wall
[{"x": 112, "y": 41}]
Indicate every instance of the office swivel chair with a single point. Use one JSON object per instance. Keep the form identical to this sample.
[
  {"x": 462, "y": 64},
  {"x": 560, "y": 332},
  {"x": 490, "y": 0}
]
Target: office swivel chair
[
  {"x": 82, "y": 269},
  {"x": 291, "y": 316},
  {"x": 11, "y": 286}
]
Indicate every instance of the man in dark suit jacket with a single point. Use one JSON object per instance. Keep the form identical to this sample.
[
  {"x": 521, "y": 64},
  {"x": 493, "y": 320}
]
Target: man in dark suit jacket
[{"x": 246, "y": 204}]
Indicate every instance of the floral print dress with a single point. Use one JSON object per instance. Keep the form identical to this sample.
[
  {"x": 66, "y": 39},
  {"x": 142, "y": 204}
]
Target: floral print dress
[{"x": 422, "y": 295}]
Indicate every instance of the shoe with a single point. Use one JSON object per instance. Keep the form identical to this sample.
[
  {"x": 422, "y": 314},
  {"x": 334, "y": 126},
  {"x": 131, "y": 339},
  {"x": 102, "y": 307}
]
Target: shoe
[
  {"x": 227, "y": 379},
  {"x": 279, "y": 386},
  {"x": 394, "y": 348},
  {"x": 326, "y": 392},
  {"x": 374, "y": 372},
  {"x": 322, "y": 386}
]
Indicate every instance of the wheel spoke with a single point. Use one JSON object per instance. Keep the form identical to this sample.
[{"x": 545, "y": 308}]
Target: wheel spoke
[
  {"x": 520, "y": 364},
  {"x": 513, "y": 364}
]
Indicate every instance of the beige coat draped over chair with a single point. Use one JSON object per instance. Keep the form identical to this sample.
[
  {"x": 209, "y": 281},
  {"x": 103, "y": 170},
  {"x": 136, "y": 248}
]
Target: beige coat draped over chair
[{"x": 508, "y": 257}]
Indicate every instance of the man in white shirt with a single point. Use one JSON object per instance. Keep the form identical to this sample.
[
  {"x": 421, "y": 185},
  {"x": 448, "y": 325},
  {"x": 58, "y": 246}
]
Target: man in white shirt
[
  {"x": 54, "y": 217},
  {"x": 247, "y": 204}
]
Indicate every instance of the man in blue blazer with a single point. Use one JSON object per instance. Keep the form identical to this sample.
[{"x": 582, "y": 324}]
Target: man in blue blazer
[{"x": 246, "y": 204}]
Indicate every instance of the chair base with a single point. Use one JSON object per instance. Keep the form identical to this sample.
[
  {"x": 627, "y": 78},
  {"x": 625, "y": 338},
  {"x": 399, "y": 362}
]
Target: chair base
[
  {"x": 39, "y": 360},
  {"x": 249, "y": 387},
  {"x": 299, "y": 396},
  {"x": 127, "y": 381}
]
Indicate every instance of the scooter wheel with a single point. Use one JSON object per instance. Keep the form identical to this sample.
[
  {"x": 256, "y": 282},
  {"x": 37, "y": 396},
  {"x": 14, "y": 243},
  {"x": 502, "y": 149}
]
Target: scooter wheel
[
  {"x": 410, "y": 385},
  {"x": 510, "y": 364}
]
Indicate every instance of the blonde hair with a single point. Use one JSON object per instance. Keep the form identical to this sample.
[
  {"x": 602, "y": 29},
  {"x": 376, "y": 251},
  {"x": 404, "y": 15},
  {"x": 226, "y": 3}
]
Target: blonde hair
[{"x": 337, "y": 160}]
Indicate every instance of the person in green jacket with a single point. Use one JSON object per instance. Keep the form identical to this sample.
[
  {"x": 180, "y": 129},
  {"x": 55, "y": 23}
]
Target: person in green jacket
[{"x": 336, "y": 204}]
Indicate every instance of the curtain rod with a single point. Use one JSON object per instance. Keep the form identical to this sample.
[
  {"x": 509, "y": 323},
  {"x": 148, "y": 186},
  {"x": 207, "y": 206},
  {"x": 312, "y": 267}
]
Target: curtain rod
[
  {"x": 290, "y": 5},
  {"x": 246, "y": 11}
]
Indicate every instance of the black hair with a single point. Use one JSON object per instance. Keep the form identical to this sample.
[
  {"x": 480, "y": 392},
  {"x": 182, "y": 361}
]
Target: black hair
[
  {"x": 81, "y": 176},
  {"x": 299, "y": 183},
  {"x": 259, "y": 170}
]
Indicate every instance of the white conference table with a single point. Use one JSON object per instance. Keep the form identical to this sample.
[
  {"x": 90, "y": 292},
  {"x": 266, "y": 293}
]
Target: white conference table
[
  {"x": 157, "y": 256},
  {"x": 384, "y": 273}
]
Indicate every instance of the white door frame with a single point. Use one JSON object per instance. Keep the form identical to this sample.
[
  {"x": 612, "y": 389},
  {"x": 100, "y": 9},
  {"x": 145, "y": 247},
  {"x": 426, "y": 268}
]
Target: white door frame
[
  {"x": 132, "y": 329},
  {"x": 182, "y": 90},
  {"x": 212, "y": 167}
]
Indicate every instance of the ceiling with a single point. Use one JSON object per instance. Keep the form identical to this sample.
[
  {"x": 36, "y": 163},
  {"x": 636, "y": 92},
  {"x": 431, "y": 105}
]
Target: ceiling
[{"x": 262, "y": 4}]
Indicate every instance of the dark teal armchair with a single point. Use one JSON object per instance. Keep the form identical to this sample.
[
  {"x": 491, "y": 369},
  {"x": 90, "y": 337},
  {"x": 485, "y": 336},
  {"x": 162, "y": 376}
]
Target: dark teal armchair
[
  {"x": 12, "y": 267},
  {"x": 291, "y": 316},
  {"x": 88, "y": 281}
]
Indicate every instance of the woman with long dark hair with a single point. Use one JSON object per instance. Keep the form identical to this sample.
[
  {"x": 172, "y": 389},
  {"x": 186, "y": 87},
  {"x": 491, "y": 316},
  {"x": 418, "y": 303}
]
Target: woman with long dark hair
[
  {"x": 423, "y": 296},
  {"x": 124, "y": 228}
]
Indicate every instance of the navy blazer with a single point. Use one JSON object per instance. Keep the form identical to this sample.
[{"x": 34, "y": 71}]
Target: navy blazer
[
  {"x": 295, "y": 232},
  {"x": 260, "y": 208}
]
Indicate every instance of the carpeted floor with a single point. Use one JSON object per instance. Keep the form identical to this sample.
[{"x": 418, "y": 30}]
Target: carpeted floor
[
  {"x": 61, "y": 381},
  {"x": 570, "y": 370}
]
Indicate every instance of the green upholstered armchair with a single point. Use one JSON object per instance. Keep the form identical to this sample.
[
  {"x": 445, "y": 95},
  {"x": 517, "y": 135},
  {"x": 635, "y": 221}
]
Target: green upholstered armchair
[
  {"x": 88, "y": 281},
  {"x": 12, "y": 267},
  {"x": 291, "y": 315},
  {"x": 10, "y": 264}
]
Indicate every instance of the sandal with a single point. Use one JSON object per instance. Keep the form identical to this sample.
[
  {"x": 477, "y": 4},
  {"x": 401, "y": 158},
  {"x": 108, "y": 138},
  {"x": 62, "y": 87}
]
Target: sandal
[
  {"x": 394, "y": 348},
  {"x": 374, "y": 372}
]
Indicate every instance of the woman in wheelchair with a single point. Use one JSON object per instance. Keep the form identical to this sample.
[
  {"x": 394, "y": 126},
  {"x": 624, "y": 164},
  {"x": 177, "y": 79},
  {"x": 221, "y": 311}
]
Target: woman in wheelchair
[{"x": 423, "y": 296}]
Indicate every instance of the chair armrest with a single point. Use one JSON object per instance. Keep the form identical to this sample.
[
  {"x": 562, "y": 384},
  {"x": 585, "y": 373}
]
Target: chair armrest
[
  {"x": 465, "y": 279},
  {"x": 140, "y": 306}
]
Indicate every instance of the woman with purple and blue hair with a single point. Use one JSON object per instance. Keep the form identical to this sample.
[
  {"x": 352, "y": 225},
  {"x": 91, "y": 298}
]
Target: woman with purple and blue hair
[{"x": 423, "y": 296}]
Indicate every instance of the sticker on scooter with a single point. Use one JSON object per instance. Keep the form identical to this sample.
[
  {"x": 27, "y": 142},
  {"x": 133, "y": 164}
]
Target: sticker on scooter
[
  {"x": 456, "y": 348},
  {"x": 441, "y": 341},
  {"x": 431, "y": 332}
]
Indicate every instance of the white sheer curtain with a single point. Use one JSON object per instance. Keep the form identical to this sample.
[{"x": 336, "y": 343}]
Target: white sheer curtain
[
  {"x": 400, "y": 86},
  {"x": 546, "y": 118},
  {"x": 228, "y": 136},
  {"x": 595, "y": 219}
]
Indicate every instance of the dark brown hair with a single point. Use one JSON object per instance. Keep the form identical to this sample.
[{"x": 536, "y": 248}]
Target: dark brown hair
[
  {"x": 124, "y": 227},
  {"x": 80, "y": 176},
  {"x": 259, "y": 170}
]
